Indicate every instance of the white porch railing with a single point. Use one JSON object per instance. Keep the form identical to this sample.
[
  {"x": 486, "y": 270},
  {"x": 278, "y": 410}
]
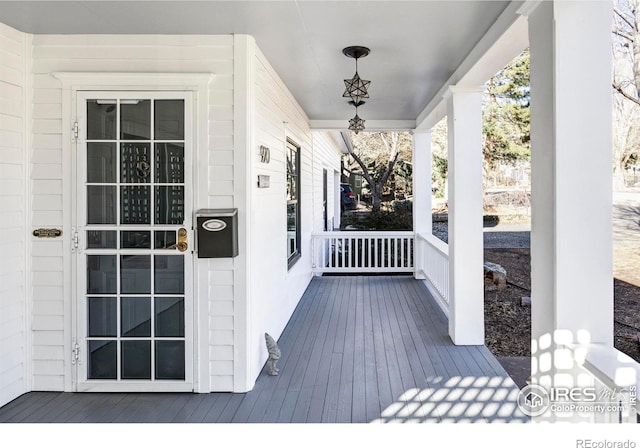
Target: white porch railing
[
  {"x": 432, "y": 263},
  {"x": 362, "y": 252}
]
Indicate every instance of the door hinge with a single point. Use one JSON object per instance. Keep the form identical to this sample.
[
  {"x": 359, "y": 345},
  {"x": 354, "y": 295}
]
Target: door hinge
[
  {"x": 75, "y": 240},
  {"x": 75, "y": 353},
  {"x": 75, "y": 131}
]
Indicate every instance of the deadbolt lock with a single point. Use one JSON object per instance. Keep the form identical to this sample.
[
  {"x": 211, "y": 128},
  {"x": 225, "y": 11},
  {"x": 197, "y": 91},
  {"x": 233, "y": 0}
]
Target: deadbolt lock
[{"x": 182, "y": 240}]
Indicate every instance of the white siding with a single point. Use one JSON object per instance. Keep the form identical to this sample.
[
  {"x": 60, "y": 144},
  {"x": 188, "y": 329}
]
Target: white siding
[
  {"x": 13, "y": 209},
  {"x": 275, "y": 291},
  {"x": 51, "y": 189},
  {"x": 326, "y": 155}
]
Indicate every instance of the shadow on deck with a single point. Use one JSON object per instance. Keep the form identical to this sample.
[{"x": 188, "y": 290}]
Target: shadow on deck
[{"x": 357, "y": 349}]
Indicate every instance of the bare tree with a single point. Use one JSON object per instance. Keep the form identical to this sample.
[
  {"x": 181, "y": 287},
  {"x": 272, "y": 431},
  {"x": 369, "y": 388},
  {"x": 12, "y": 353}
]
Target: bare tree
[
  {"x": 626, "y": 85},
  {"x": 377, "y": 154},
  {"x": 626, "y": 48},
  {"x": 626, "y": 137}
]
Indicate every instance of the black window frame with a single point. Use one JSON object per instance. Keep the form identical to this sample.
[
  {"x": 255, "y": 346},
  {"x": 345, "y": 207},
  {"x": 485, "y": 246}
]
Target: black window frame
[{"x": 292, "y": 147}]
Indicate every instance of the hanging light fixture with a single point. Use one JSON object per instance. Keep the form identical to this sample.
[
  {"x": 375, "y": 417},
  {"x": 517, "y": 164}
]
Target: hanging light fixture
[
  {"x": 356, "y": 124},
  {"x": 356, "y": 88}
]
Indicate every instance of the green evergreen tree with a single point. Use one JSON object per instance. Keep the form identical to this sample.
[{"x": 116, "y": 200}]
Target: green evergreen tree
[{"x": 506, "y": 115}]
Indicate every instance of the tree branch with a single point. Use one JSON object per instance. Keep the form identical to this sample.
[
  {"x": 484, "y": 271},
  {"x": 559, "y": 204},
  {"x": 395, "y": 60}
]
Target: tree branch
[
  {"x": 625, "y": 94},
  {"x": 393, "y": 157},
  {"x": 628, "y": 20},
  {"x": 624, "y": 35},
  {"x": 365, "y": 170},
  {"x": 389, "y": 170}
]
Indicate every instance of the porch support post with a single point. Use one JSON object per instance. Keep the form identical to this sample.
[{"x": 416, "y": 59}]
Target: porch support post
[
  {"x": 466, "y": 287},
  {"x": 421, "y": 195},
  {"x": 571, "y": 241}
]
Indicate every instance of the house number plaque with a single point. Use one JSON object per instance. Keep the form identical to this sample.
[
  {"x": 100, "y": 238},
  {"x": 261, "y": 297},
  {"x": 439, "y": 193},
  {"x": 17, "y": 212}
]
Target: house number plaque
[{"x": 47, "y": 233}]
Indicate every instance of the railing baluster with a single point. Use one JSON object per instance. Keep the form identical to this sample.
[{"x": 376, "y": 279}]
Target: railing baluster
[
  {"x": 375, "y": 255},
  {"x": 395, "y": 252},
  {"x": 385, "y": 252},
  {"x": 365, "y": 252}
]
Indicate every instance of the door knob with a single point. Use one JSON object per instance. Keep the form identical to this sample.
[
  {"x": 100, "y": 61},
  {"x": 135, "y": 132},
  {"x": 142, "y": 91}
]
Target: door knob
[{"x": 182, "y": 240}]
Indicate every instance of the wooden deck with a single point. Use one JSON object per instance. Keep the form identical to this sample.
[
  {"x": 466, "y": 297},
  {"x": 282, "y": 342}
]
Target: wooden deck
[{"x": 357, "y": 349}]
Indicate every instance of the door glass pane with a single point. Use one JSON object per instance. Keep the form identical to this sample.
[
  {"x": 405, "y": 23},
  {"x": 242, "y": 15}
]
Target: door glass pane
[
  {"x": 135, "y": 177},
  {"x": 135, "y": 240},
  {"x": 101, "y": 239},
  {"x": 101, "y": 274},
  {"x": 169, "y": 205},
  {"x": 169, "y": 119},
  {"x": 135, "y": 119},
  {"x": 102, "y": 316},
  {"x": 101, "y": 120},
  {"x": 102, "y": 360},
  {"x": 165, "y": 239},
  {"x": 101, "y": 162},
  {"x": 169, "y": 360},
  {"x": 170, "y": 163},
  {"x": 101, "y": 204},
  {"x": 292, "y": 225},
  {"x": 135, "y": 163},
  {"x": 135, "y": 274},
  {"x": 135, "y": 205},
  {"x": 169, "y": 274},
  {"x": 169, "y": 319},
  {"x": 136, "y": 360},
  {"x": 136, "y": 316}
]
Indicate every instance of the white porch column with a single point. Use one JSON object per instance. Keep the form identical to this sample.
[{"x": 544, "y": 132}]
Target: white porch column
[
  {"x": 421, "y": 194},
  {"x": 571, "y": 241},
  {"x": 466, "y": 286}
]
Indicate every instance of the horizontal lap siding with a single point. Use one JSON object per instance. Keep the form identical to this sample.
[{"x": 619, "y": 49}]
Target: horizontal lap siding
[
  {"x": 121, "y": 53},
  {"x": 13, "y": 348},
  {"x": 276, "y": 290},
  {"x": 326, "y": 155}
]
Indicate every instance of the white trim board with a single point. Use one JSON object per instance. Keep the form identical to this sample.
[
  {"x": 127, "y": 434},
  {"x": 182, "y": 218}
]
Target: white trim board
[{"x": 73, "y": 82}]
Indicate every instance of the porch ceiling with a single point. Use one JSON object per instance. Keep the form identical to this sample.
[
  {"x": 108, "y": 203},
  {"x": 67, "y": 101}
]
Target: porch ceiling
[{"x": 416, "y": 46}]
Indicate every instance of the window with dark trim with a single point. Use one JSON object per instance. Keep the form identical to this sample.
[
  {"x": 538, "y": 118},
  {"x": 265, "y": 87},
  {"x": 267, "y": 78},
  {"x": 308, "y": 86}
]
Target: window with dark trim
[{"x": 293, "y": 203}]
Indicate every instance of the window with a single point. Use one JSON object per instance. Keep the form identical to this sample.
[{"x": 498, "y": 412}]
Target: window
[{"x": 293, "y": 203}]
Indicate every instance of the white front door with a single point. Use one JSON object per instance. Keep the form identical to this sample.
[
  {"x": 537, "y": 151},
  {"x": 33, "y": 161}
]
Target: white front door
[{"x": 133, "y": 257}]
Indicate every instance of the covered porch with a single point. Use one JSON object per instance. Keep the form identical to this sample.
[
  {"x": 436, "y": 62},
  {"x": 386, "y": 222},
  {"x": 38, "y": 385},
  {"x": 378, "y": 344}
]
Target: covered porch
[{"x": 358, "y": 349}]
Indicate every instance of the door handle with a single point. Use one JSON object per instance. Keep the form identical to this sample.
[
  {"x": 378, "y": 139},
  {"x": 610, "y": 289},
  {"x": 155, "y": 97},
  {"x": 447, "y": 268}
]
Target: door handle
[{"x": 182, "y": 244}]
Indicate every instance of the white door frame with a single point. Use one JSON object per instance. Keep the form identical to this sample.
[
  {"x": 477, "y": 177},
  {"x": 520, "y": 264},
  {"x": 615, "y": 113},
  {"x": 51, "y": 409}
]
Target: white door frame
[{"x": 74, "y": 82}]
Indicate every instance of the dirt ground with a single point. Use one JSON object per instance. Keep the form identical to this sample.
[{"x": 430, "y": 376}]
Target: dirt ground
[{"x": 508, "y": 322}]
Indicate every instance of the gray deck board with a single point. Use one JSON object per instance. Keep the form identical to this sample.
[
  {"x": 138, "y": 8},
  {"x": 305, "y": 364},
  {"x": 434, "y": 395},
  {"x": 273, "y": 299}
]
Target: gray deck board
[
  {"x": 393, "y": 371},
  {"x": 345, "y": 390},
  {"x": 218, "y": 407},
  {"x": 112, "y": 412},
  {"x": 356, "y": 349},
  {"x": 372, "y": 400},
  {"x": 102, "y": 408},
  {"x": 359, "y": 410},
  {"x": 25, "y": 406}
]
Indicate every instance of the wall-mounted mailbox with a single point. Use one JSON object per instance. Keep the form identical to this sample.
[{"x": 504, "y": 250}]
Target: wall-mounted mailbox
[{"x": 217, "y": 233}]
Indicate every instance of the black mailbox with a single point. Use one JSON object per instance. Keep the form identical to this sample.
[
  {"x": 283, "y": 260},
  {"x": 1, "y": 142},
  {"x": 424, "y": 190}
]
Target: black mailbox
[{"x": 217, "y": 235}]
